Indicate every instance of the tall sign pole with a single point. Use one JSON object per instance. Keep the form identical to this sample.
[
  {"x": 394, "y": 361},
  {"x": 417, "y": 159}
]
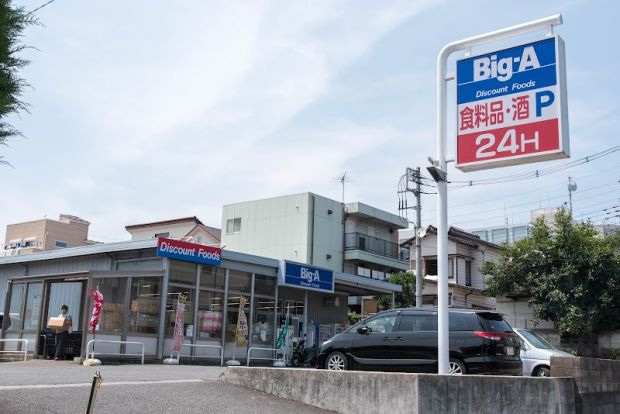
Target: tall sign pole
[{"x": 439, "y": 168}]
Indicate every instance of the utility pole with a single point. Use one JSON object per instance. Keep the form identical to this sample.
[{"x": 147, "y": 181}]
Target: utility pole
[
  {"x": 418, "y": 243},
  {"x": 412, "y": 175}
]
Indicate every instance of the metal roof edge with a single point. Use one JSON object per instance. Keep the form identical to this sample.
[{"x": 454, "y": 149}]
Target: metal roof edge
[
  {"x": 80, "y": 251},
  {"x": 366, "y": 281}
]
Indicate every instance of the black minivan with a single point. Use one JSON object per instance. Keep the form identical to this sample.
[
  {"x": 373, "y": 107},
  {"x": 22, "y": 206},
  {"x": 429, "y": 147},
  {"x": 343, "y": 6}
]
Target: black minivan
[{"x": 405, "y": 340}]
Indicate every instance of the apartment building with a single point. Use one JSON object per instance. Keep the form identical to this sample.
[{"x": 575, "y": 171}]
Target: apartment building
[
  {"x": 354, "y": 238},
  {"x": 46, "y": 234}
]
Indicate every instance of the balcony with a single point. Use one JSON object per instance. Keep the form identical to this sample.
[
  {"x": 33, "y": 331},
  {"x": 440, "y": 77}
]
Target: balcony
[{"x": 361, "y": 241}]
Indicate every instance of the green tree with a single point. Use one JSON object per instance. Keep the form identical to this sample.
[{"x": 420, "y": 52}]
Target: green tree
[
  {"x": 571, "y": 276},
  {"x": 13, "y": 21},
  {"x": 403, "y": 299}
]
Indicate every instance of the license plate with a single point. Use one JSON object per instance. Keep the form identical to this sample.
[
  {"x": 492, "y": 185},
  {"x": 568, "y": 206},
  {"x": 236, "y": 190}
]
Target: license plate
[{"x": 510, "y": 350}]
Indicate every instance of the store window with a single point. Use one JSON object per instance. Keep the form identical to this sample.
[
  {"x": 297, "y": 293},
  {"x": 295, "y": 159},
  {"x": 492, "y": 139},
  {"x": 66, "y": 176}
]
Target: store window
[
  {"x": 232, "y": 314},
  {"x": 60, "y": 244},
  {"x": 146, "y": 264},
  {"x": 210, "y": 315},
  {"x": 145, "y": 305},
  {"x": 182, "y": 272},
  {"x": 33, "y": 305},
  {"x": 239, "y": 281},
  {"x": 262, "y": 325},
  {"x": 212, "y": 277},
  {"x": 17, "y": 303},
  {"x": 264, "y": 285},
  {"x": 114, "y": 292},
  {"x": 174, "y": 292}
]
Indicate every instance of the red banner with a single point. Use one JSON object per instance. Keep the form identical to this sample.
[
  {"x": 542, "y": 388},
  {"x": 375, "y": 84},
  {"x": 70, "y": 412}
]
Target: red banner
[{"x": 97, "y": 306}]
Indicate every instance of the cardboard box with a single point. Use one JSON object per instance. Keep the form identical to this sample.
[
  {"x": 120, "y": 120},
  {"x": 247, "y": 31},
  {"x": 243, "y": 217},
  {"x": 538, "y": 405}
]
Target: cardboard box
[{"x": 58, "y": 323}]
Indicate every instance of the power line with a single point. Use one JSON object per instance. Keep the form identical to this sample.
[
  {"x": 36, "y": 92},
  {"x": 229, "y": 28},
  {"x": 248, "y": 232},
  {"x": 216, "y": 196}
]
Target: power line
[
  {"x": 40, "y": 7},
  {"x": 537, "y": 173},
  {"x": 577, "y": 200}
]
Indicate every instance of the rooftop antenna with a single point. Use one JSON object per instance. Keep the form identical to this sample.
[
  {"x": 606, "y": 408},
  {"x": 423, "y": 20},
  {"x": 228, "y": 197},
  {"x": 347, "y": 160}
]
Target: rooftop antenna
[{"x": 344, "y": 178}]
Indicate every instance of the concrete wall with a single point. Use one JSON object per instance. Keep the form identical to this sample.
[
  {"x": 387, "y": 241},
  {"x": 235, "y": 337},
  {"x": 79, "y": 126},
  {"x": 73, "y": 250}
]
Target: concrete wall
[
  {"x": 381, "y": 392},
  {"x": 597, "y": 382}
]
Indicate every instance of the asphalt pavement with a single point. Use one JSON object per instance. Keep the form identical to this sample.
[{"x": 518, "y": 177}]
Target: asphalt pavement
[{"x": 63, "y": 387}]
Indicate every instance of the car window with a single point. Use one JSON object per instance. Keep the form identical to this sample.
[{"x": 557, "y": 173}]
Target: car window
[
  {"x": 463, "y": 322},
  {"x": 382, "y": 323},
  {"x": 493, "y": 322},
  {"x": 536, "y": 340},
  {"x": 415, "y": 323}
]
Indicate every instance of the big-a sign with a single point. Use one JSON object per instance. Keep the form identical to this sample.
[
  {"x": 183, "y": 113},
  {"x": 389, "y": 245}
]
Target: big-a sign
[
  {"x": 512, "y": 106},
  {"x": 188, "y": 252},
  {"x": 306, "y": 277}
]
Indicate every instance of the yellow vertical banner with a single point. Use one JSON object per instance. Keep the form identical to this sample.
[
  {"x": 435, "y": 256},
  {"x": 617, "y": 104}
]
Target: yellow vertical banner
[{"x": 242, "y": 324}]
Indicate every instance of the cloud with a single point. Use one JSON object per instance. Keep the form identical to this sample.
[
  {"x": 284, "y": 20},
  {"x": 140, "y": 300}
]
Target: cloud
[{"x": 184, "y": 109}]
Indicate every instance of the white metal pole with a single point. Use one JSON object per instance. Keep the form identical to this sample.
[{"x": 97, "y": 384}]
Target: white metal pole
[{"x": 442, "y": 186}]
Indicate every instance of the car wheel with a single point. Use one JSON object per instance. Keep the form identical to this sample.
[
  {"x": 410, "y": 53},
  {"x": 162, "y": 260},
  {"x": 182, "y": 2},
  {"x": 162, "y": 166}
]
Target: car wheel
[
  {"x": 456, "y": 367},
  {"x": 543, "y": 372},
  {"x": 336, "y": 361}
]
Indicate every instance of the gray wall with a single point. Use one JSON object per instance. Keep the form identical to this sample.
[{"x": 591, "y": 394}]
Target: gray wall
[{"x": 394, "y": 393}]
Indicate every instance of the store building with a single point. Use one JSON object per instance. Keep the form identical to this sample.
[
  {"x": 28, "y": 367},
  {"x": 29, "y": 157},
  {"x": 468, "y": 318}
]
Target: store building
[{"x": 141, "y": 288}]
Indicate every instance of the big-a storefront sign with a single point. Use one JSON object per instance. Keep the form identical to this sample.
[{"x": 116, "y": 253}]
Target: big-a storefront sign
[
  {"x": 512, "y": 106},
  {"x": 307, "y": 277},
  {"x": 188, "y": 252}
]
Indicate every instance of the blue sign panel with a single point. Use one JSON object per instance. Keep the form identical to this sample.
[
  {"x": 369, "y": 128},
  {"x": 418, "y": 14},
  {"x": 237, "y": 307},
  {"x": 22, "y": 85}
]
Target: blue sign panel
[
  {"x": 504, "y": 72},
  {"x": 307, "y": 277}
]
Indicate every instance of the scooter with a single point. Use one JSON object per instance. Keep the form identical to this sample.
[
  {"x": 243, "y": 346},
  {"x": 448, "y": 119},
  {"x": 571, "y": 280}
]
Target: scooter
[{"x": 302, "y": 356}]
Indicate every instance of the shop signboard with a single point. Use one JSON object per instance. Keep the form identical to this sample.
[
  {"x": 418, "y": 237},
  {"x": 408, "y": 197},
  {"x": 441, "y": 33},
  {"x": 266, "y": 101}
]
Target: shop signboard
[
  {"x": 511, "y": 106},
  {"x": 189, "y": 252},
  {"x": 306, "y": 277}
]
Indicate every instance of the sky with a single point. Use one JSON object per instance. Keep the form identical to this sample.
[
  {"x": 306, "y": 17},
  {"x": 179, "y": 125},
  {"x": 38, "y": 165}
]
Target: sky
[{"x": 143, "y": 111}]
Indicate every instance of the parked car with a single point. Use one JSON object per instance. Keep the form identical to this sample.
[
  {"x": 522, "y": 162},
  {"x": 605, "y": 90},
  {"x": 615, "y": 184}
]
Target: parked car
[
  {"x": 536, "y": 353},
  {"x": 481, "y": 342}
]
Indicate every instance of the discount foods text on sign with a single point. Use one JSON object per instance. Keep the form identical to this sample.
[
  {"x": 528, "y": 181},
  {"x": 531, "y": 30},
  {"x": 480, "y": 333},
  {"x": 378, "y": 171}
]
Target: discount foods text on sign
[{"x": 511, "y": 106}]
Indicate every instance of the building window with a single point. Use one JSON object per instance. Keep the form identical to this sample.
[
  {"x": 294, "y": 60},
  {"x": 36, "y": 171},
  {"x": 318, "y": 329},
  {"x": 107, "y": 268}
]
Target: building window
[
  {"x": 145, "y": 305},
  {"x": 362, "y": 271},
  {"x": 467, "y": 273},
  {"x": 431, "y": 267},
  {"x": 60, "y": 244},
  {"x": 233, "y": 225},
  {"x": 519, "y": 233},
  {"x": 114, "y": 292},
  {"x": 30, "y": 242},
  {"x": 166, "y": 234},
  {"x": 499, "y": 236},
  {"x": 210, "y": 315}
]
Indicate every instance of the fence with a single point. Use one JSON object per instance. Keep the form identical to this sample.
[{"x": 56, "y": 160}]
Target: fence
[
  {"x": 92, "y": 342},
  {"x": 220, "y": 356},
  {"x": 25, "y": 348}
]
